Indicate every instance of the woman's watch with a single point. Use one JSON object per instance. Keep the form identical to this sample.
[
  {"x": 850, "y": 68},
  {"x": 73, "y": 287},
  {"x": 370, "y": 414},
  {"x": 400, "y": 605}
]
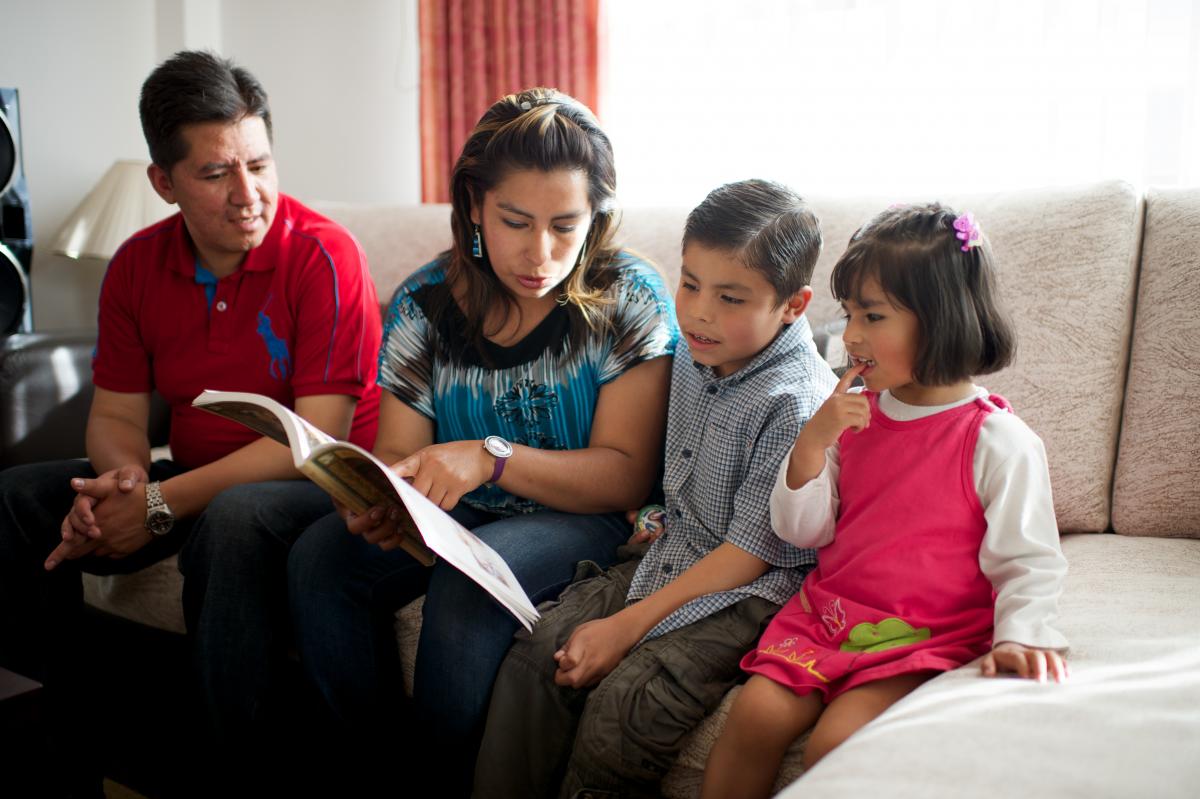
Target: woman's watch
[
  {"x": 501, "y": 450},
  {"x": 159, "y": 518}
]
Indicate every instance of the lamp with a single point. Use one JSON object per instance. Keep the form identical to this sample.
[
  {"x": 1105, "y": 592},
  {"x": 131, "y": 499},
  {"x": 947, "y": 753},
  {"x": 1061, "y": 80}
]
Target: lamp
[{"x": 122, "y": 203}]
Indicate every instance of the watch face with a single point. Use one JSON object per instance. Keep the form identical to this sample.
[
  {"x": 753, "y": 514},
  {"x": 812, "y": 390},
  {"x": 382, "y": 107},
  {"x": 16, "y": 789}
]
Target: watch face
[
  {"x": 498, "y": 446},
  {"x": 160, "y": 522}
]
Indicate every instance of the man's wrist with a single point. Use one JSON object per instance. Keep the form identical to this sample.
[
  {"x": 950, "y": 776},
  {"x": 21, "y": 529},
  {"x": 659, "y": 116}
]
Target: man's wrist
[{"x": 159, "y": 516}]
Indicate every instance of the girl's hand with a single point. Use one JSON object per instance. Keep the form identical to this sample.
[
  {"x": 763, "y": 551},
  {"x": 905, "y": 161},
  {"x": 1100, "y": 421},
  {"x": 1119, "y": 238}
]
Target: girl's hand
[
  {"x": 842, "y": 411},
  {"x": 444, "y": 472},
  {"x": 1025, "y": 661}
]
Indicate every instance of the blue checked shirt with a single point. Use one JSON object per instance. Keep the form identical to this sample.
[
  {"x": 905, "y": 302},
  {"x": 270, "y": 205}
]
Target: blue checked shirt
[{"x": 726, "y": 437}]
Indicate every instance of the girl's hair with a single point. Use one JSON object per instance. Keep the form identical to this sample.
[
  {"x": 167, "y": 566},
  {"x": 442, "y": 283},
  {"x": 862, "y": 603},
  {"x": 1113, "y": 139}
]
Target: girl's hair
[
  {"x": 546, "y": 130},
  {"x": 914, "y": 254}
]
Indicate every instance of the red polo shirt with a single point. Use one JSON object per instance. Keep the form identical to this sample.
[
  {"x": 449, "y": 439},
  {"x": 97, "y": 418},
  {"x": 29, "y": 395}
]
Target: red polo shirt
[{"x": 298, "y": 318}]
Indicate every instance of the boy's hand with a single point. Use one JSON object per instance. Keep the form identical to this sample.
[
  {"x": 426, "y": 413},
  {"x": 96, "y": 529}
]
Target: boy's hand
[
  {"x": 648, "y": 524},
  {"x": 1024, "y": 661},
  {"x": 592, "y": 652}
]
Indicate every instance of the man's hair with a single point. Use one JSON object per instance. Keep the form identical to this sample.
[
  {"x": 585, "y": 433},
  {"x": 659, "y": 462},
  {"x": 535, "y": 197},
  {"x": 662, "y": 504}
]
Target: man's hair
[
  {"x": 766, "y": 226},
  {"x": 916, "y": 257},
  {"x": 195, "y": 86}
]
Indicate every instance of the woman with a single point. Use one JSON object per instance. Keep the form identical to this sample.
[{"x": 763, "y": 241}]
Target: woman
[{"x": 526, "y": 384}]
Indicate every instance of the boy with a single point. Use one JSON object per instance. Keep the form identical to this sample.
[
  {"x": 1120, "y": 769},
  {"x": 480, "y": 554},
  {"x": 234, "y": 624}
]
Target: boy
[{"x": 627, "y": 662}]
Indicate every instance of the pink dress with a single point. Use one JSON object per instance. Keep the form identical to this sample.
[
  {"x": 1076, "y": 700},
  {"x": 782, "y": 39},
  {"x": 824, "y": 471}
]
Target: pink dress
[{"x": 899, "y": 590}]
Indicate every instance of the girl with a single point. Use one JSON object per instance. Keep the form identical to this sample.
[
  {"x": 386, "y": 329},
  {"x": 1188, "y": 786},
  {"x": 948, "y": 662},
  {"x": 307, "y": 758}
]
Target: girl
[
  {"x": 930, "y": 501},
  {"x": 526, "y": 379}
]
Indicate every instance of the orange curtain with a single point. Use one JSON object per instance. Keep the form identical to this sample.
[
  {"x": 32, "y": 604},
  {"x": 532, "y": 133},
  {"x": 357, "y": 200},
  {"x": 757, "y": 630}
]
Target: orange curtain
[{"x": 473, "y": 52}]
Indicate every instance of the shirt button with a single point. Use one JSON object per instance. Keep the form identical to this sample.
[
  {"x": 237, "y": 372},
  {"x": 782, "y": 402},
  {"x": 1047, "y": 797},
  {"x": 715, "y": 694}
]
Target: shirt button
[
  {"x": 712, "y": 389},
  {"x": 687, "y": 453},
  {"x": 663, "y": 536},
  {"x": 221, "y": 305},
  {"x": 666, "y": 567},
  {"x": 678, "y": 513}
]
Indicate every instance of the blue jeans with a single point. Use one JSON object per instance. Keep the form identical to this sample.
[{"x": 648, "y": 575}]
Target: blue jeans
[
  {"x": 235, "y": 599},
  {"x": 344, "y": 593}
]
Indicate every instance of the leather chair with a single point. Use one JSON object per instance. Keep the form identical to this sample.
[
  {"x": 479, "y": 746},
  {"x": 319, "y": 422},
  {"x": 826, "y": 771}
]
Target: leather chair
[{"x": 45, "y": 395}]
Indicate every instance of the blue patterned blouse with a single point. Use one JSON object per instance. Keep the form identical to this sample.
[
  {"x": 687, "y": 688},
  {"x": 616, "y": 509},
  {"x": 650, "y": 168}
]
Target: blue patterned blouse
[{"x": 542, "y": 391}]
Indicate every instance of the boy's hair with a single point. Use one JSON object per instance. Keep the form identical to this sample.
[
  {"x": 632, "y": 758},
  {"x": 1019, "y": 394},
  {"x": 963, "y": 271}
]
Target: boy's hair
[
  {"x": 766, "y": 226},
  {"x": 195, "y": 86},
  {"x": 917, "y": 259}
]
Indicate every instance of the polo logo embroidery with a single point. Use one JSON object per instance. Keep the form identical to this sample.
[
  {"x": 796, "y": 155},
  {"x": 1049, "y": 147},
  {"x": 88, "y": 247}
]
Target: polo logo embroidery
[{"x": 281, "y": 360}]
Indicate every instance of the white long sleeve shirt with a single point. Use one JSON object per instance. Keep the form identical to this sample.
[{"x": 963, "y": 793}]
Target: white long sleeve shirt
[{"x": 1020, "y": 553}]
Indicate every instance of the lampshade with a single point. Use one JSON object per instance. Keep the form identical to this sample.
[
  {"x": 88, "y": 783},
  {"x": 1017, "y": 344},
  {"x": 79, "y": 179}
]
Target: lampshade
[{"x": 122, "y": 203}]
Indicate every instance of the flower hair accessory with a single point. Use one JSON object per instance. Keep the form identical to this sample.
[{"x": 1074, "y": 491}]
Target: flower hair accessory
[{"x": 967, "y": 231}]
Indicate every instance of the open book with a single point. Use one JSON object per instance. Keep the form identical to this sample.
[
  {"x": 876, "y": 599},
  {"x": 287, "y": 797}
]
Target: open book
[{"x": 360, "y": 481}]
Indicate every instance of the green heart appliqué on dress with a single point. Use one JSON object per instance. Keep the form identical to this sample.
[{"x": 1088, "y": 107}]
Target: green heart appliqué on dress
[{"x": 889, "y": 633}]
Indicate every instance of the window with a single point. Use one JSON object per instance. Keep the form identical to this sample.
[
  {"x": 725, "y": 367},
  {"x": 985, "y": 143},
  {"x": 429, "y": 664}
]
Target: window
[{"x": 898, "y": 98}]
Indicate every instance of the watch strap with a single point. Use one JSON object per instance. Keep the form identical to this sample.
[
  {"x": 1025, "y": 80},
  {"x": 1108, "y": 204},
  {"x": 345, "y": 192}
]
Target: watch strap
[{"x": 498, "y": 469}]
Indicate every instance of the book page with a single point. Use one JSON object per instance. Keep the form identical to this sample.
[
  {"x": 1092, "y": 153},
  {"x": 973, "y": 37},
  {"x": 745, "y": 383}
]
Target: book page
[
  {"x": 466, "y": 552},
  {"x": 267, "y": 417},
  {"x": 359, "y": 480}
]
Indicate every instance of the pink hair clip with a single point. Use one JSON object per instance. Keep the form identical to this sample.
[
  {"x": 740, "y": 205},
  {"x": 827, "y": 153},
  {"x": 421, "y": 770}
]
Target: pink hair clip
[{"x": 968, "y": 231}]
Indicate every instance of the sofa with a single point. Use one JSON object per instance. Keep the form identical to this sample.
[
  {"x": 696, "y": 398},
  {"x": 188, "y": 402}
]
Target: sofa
[{"x": 1103, "y": 283}]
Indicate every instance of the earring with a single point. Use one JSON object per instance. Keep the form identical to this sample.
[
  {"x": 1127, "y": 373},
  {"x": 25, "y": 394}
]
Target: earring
[{"x": 476, "y": 245}]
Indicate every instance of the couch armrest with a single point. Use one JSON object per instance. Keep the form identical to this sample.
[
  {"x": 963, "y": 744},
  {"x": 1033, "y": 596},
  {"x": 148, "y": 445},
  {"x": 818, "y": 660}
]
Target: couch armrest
[{"x": 45, "y": 395}]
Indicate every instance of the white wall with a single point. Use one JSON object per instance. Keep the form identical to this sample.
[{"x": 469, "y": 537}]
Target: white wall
[
  {"x": 343, "y": 89},
  {"x": 342, "y": 77},
  {"x": 78, "y": 66}
]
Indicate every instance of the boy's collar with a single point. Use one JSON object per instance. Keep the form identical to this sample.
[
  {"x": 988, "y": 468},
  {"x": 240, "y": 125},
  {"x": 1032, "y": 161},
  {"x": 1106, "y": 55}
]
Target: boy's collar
[{"x": 788, "y": 339}]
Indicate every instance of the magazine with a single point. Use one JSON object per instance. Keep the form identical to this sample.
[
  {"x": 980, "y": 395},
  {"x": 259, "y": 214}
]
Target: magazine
[{"x": 360, "y": 481}]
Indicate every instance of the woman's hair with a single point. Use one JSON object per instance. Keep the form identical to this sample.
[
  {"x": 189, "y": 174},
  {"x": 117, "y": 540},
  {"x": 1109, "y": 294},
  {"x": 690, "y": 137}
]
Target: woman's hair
[
  {"x": 766, "y": 225},
  {"x": 916, "y": 256},
  {"x": 546, "y": 130}
]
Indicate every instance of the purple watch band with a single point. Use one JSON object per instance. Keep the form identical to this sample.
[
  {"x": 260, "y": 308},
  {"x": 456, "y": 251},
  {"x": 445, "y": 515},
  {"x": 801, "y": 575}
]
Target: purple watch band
[{"x": 499, "y": 469}]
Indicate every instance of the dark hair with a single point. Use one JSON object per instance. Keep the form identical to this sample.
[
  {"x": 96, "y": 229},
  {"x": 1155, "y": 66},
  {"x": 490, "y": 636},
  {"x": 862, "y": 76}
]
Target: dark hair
[
  {"x": 546, "y": 130},
  {"x": 767, "y": 226},
  {"x": 195, "y": 86},
  {"x": 914, "y": 254}
]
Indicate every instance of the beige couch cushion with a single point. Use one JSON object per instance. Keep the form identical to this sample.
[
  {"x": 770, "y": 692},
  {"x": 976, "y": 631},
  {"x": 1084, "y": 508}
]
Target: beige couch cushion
[
  {"x": 152, "y": 596},
  {"x": 1125, "y": 725},
  {"x": 1157, "y": 487},
  {"x": 1067, "y": 260}
]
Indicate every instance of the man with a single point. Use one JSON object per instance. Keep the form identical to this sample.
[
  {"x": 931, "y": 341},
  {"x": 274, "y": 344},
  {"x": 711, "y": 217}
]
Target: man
[{"x": 244, "y": 289}]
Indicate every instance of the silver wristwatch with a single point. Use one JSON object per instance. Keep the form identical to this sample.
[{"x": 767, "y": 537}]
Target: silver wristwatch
[
  {"x": 499, "y": 449},
  {"x": 159, "y": 518}
]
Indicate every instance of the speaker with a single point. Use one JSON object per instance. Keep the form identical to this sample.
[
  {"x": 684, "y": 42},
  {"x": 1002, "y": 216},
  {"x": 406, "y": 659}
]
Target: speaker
[{"x": 16, "y": 223}]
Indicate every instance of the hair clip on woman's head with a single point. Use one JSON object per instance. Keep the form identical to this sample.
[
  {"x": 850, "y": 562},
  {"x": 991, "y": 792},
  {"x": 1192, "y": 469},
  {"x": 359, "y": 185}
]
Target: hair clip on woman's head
[{"x": 967, "y": 231}]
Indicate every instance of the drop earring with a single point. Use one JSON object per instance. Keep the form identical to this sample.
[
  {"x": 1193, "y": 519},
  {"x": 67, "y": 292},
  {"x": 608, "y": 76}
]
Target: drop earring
[{"x": 477, "y": 245}]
